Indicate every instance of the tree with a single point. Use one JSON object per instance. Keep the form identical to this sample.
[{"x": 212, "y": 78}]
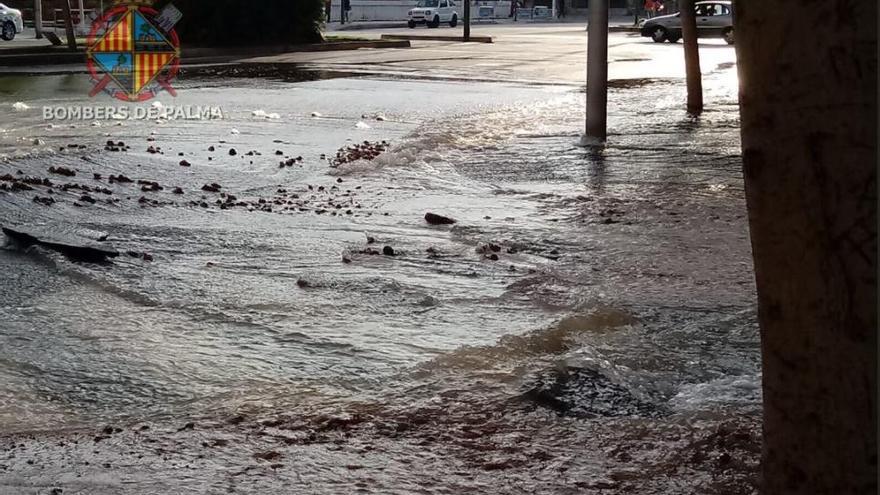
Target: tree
[
  {"x": 68, "y": 24},
  {"x": 809, "y": 137},
  {"x": 38, "y": 18},
  {"x": 691, "y": 58}
]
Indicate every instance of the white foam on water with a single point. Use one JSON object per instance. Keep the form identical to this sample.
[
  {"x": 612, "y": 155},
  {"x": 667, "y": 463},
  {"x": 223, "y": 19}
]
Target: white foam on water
[
  {"x": 262, "y": 114},
  {"x": 20, "y": 107},
  {"x": 739, "y": 389}
]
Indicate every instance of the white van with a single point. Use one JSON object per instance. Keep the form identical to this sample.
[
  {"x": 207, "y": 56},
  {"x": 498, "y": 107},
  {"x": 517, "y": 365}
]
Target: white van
[{"x": 433, "y": 12}]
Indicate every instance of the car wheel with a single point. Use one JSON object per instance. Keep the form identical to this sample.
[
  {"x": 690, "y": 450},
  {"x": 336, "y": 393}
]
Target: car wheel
[
  {"x": 454, "y": 21},
  {"x": 435, "y": 23},
  {"x": 658, "y": 34},
  {"x": 728, "y": 36},
  {"x": 411, "y": 24},
  {"x": 672, "y": 38},
  {"x": 7, "y": 32}
]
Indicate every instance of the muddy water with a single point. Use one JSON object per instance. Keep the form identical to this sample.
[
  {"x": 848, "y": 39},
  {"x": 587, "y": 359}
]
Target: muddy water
[{"x": 612, "y": 345}]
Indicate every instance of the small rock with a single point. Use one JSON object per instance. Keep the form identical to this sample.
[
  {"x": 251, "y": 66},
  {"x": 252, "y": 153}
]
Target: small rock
[
  {"x": 62, "y": 171},
  {"x": 435, "y": 219},
  {"x": 388, "y": 251},
  {"x": 184, "y": 163},
  {"x": 232, "y": 152},
  {"x": 268, "y": 456}
]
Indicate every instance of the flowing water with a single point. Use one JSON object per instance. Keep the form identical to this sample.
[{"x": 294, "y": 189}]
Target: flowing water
[{"x": 588, "y": 324}]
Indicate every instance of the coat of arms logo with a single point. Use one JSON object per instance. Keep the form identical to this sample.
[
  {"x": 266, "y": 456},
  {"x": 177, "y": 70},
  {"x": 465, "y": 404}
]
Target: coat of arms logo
[{"x": 133, "y": 51}]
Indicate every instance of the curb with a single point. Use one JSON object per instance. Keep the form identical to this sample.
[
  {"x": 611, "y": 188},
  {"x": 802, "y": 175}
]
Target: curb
[
  {"x": 63, "y": 57},
  {"x": 377, "y": 25},
  {"x": 427, "y": 37}
]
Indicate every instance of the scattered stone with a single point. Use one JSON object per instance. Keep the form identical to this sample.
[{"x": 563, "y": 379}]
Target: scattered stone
[
  {"x": 177, "y": 190},
  {"x": 188, "y": 426},
  {"x": 435, "y": 219},
  {"x": 232, "y": 152},
  {"x": 149, "y": 186},
  {"x": 388, "y": 251},
  {"x": 302, "y": 284},
  {"x": 120, "y": 179},
  {"x": 268, "y": 456},
  {"x": 62, "y": 171},
  {"x": 184, "y": 163},
  {"x": 85, "y": 198},
  {"x": 211, "y": 148},
  {"x": 366, "y": 151},
  {"x": 214, "y": 188},
  {"x": 148, "y": 257},
  {"x": 20, "y": 186},
  {"x": 44, "y": 201}
]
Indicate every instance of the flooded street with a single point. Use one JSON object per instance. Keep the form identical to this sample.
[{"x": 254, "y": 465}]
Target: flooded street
[{"x": 588, "y": 325}]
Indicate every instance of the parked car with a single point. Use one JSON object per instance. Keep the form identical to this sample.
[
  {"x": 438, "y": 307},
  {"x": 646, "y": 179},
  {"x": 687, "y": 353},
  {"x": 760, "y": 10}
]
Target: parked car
[
  {"x": 432, "y": 13},
  {"x": 10, "y": 22},
  {"x": 714, "y": 20}
]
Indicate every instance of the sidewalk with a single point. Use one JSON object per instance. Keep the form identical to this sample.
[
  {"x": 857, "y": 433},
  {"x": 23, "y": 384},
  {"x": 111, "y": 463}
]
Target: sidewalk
[{"x": 616, "y": 23}]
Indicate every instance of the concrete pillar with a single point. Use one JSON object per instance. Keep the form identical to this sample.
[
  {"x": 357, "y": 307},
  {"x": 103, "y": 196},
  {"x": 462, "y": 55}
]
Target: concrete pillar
[
  {"x": 597, "y": 73},
  {"x": 809, "y": 142},
  {"x": 467, "y": 20},
  {"x": 38, "y": 18},
  {"x": 691, "y": 58}
]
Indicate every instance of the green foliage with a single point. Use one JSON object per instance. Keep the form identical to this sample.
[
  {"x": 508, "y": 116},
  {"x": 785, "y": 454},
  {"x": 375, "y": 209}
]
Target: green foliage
[{"x": 248, "y": 22}]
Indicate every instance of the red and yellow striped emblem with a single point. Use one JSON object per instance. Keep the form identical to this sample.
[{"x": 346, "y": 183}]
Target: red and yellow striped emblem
[
  {"x": 118, "y": 39},
  {"x": 148, "y": 65}
]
